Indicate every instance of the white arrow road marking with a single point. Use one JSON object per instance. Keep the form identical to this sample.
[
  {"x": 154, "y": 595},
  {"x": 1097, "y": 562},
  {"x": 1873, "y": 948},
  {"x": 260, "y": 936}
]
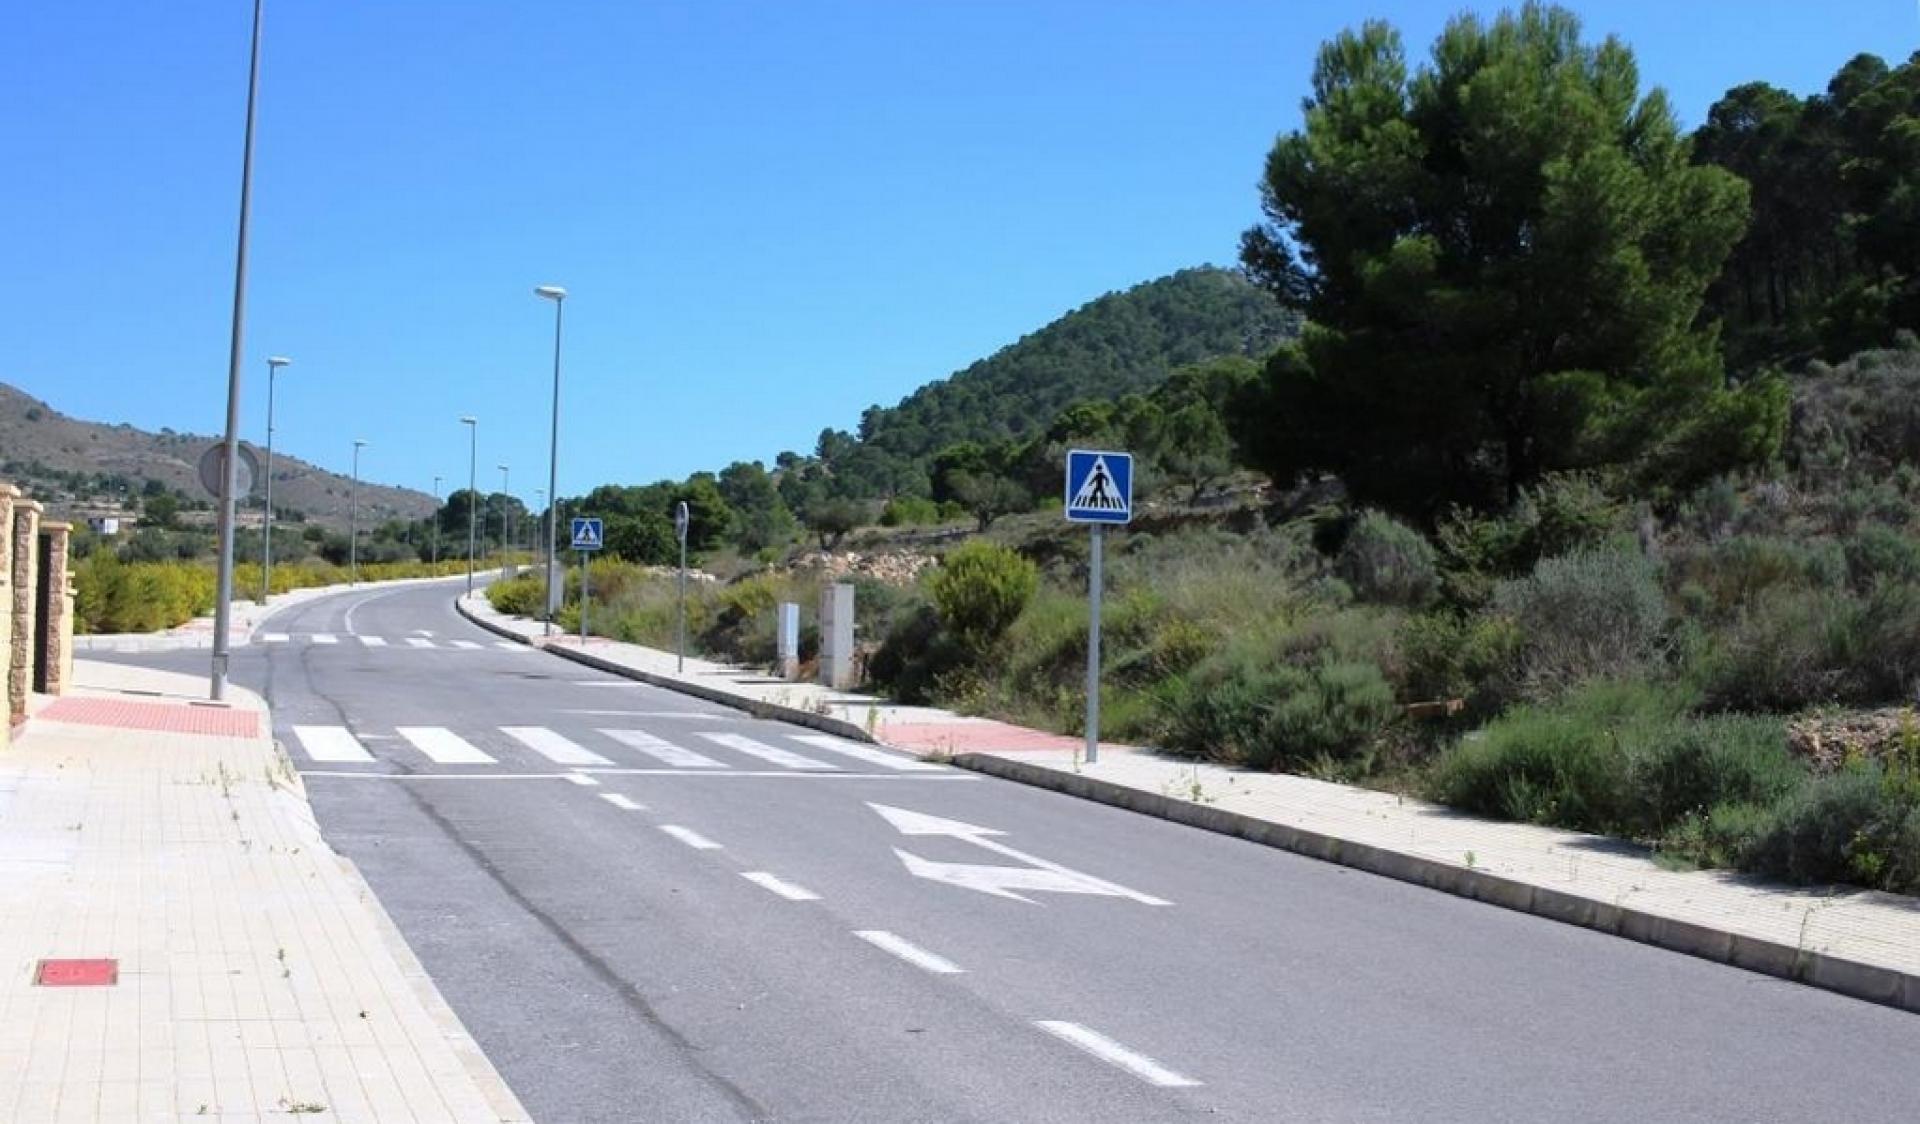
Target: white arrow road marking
[
  {"x": 908, "y": 951},
  {"x": 1111, "y": 1052},
  {"x": 999, "y": 881}
]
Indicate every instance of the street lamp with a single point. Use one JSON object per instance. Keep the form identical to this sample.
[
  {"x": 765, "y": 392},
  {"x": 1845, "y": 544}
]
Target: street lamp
[
  {"x": 558, "y": 296},
  {"x": 353, "y": 516},
  {"x": 540, "y": 496},
  {"x": 506, "y": 511},
  {"x": 274, "y": 363},
  {"x": 436, "y": 521},
  {"x": 473, "y": 451},
  {"x": 230, "y": 470}
]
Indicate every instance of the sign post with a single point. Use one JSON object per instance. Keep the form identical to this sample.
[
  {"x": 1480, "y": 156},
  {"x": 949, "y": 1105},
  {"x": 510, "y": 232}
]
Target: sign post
[
  {"x": 1099, "y": 492},
  {"x": 682, "y": 521},
  {"x": 588, "y": 536}
]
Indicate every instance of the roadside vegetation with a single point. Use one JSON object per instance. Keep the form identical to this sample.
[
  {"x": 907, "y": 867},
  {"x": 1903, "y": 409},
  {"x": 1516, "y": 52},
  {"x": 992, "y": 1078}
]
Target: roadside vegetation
[
  {"x": 1575, "y": 479},
  {"x": 115, "y": 596}
]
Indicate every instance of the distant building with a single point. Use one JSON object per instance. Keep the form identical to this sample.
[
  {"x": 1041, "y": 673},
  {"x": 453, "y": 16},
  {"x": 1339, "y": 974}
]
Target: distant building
[{"x": 107, "y": 525}]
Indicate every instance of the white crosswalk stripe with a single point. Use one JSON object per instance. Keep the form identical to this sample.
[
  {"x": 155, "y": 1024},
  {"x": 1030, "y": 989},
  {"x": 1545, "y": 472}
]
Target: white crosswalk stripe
[
  {"x": 553, "y": 747},
  {"x": 325, "y": 638},
  {"x": 331, "y": 743},
  {"x": 783, "y": 758},
  {"x": 443, "y": 745},
  {"x": 663, "y": 751},
  {"x": 374, "y": 641},
  {"x": 465, "y": 645},
  {"x": 867, "y": 753},
  {"x": 273, "y": 638},
  {"x": 510, "y": 646},
  {"x": 419, "y": 642}
]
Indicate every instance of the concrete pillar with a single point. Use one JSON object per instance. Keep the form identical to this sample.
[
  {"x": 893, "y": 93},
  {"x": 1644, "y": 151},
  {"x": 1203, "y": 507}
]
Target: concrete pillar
[
  {"x": 9, "y": 496},
  {"x": 55, "y": 673},
  {"x": 26, "y": 566},
  {"x": 836, "y": 636},
  {"x": 787, "y": 640}
]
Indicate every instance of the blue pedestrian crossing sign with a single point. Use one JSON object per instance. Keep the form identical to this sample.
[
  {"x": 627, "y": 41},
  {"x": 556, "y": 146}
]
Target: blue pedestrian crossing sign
[
  {"x": 587, "y": 534},
  {"x": 1099, "y": 486}
]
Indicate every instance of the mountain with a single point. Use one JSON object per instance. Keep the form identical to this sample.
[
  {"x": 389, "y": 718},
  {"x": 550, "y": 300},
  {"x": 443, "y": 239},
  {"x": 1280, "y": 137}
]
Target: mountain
[
  {"x": 69, "y": 464},
  {"x": 1118, "y": 344}
]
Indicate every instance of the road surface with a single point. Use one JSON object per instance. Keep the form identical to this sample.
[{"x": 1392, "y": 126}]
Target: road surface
[{"x": 648, "y": 908}]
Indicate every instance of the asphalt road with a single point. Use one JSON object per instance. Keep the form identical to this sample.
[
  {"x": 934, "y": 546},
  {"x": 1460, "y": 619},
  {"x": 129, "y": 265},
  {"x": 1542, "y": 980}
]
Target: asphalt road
[{"x": 890, "y": 961}]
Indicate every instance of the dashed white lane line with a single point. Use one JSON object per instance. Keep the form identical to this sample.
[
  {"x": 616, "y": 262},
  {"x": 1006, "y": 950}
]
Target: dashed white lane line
[
  {"x": 553, "y": 747},
  {"x": 866, "y": 753},
  {"x": 765, "y": 752},
  {"x": 1114, "y": 1054},
  {"x": 690, "y": 837},
  {"x": 331, "y": 743},
  {"x": 325, "y": 638},
  {"x": 374, "y": 641},
  {"x": 443, "y": 745},
  {"x": 582, "y": 780},
  {"x": 780, "y": 886},
  {"x": 622, "y": 803},
  {"x": 663, "y": 751},
  {"x": 466, "y": 645},
  {"x": 419, "y": 642},
  {"x": 908, "y": 951}
]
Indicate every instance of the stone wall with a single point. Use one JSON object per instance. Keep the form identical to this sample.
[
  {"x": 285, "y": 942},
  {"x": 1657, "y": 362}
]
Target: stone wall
[
  {"x": 54, "y": 673},
  {"x": 9, "y": 495},
  {"x": 25, "y": 554}
]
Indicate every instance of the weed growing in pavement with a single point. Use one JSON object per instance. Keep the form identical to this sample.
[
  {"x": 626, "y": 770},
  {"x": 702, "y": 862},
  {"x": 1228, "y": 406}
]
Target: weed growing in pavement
[{"x": 1471, "y": 860}]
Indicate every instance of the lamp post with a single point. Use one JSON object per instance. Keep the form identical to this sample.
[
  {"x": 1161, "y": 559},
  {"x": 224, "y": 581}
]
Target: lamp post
[
  {"x": 506, "y": 511},
  {"x": 436, "y": 522},
  {"x": 230, "y": 472},
  {"x": 540, "y": 552},
  {"x": 274, "y": 363},
  {"x": 353, "y": 516},
  {"x": 558, "y": 296},
  {"x": 473, "y": 451}
]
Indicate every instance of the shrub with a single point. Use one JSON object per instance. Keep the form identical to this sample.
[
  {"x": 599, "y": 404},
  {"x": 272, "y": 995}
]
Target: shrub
[
  {"x": 1860, "y": 825},
  {"x": 524, "y": 596},
  {"x": 1563, "y": 514},
  {"x": 1328, "y": 712},
  {"x": 1597, "y": 614},
  {"x": 1245, "y": 705},
  {"x": 1475, "y": 658},
  {"x": 909, "y": 511},
  {"x": 1387, "y": 561},
  {"x": 979, "y": 590},
  {"x": 916, "y": 658},
  {"x": 1876, "y": 553},
  {"x": 1784, "y": 653},
  {"x": 1734, "y": 574}
]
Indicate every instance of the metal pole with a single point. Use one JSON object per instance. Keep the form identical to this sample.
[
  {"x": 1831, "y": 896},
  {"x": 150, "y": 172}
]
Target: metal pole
[
  {"x": 229, "y": 475},
  {"x": 1093, "y": 649},
  {"x": 506, "y": 512},
  {"x": 473, "y": 454},
  {"x": 553, "y": 471},
  {"x": 353, "y": 519},
  {"x": 680, "y": 624},
  {"x": 436, "y": 521},
  {"x": 266, "y": 523},
  {"x": 583, "y": 598}
]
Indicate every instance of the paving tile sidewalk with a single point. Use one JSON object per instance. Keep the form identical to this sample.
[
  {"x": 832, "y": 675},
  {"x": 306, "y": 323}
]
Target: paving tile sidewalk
[
  {"x": 1855, "y": 942},
  {"x": 258, "y": 977}
]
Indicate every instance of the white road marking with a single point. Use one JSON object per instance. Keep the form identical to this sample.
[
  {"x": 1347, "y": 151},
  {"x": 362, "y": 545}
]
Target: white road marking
[
  {"x": 622, "y": 802},
  {"x": 331, "y": 743},
  {"x": 908, "y": 951},
  {"x": 325, "y": 638},
  {"x": 466, "y": 645},
  {"x": 374, "y": 641},
  {"x": 999, "y": 881},
  {"x": 553, "y": 747},
  {"x": 509, "y": 645},
  {"x": 423, "y": 632},
  {"x": 1114, "y": 1054},
  {"x": 700, "y": 714},
  {"x": 663, "y": 751},
  {"x": 690, "y": 837},
  {"x": 582, "y": 779},
  {"x": 866, "y": 753},
  {"x": 780, "y": 886},
  {"x": 724, "y": 774},
  {"x": 419, "y": 642},
  {"x": 769, "y": 753},
  {"x": 273, "y": 638},
  {"x": 443, "y": 745}
]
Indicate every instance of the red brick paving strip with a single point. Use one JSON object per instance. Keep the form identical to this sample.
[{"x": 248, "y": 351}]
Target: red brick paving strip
[{"x": 171, "y": 718}]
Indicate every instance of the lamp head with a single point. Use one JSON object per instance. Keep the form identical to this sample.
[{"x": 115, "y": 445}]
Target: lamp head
[
  {"x": 550, "y": 292},
  {"x": 469, "y": 419},
  {"x": 278, "y": 361}
]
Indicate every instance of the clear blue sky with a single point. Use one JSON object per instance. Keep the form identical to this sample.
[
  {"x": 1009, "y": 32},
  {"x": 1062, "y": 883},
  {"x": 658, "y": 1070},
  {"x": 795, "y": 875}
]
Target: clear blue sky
[{"x": 770, "y": 216}]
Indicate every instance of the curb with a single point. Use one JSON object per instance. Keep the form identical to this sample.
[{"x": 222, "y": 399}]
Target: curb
[
  {"x": 1873, "y": 983},
  {"x": 775, "y": 711}
]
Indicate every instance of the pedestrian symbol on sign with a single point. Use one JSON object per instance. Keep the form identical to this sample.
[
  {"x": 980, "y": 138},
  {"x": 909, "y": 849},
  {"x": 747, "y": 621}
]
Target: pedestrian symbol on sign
[
  {"x": 1099, "y": 487},
  {"x": 587, "y": 534}
]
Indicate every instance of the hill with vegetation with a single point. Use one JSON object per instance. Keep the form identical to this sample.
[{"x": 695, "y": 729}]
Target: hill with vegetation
[{"x": 72, "y": 464}]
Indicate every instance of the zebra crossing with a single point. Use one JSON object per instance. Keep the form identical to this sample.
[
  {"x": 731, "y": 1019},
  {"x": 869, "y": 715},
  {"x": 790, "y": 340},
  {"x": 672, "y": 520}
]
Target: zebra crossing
[
  {"x": 609, "y": 748},
  {"x": 414, "y": 642}
]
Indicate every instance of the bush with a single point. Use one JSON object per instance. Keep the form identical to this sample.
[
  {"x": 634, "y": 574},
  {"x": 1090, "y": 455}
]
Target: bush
[
  {"x": 1737, "y": 572},
  {"x": 979, "y": 590},
  {"x": 1859, "y": 825},
  {"x": 1244, "y": 706},
  {"x": 1563, "y": 514},
  {"x": 1876, "y": 553},
  {"x": 1799, "y": 648},
  {"x": 524, "y": 596},
  {"x": 909, "y": 511},
  {"x": 1452, "y": 656},
  {"x": 1598, "y": 614},
  {"x": 1387, "y": 561}
]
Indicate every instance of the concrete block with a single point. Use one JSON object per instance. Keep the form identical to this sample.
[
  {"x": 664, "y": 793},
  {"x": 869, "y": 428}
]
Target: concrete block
[
  {"x": 836, "y": 636},
  {"x": 788, "y": 639},
  {"x": 25, "y": 553},
  {"x": 9, "y": 496}
]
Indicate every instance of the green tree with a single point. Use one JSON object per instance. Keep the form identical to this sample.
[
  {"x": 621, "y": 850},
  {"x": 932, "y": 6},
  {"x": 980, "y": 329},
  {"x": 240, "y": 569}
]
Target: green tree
[
  {"x": 160, "y": 509},
  {"x": 830, "y": 519},
  {"x": 761, "y": 517},
  {"x": 1502, "y": 256},
  {"x": 646, "y": 537}
]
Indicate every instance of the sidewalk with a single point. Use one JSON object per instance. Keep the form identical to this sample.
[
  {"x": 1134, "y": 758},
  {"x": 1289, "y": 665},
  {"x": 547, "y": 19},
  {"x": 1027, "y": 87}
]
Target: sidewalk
[
  {"x": 247, "y": 616},
  {"x": 1855, "y": 942},
  {"x": 257, "y": 976}
]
